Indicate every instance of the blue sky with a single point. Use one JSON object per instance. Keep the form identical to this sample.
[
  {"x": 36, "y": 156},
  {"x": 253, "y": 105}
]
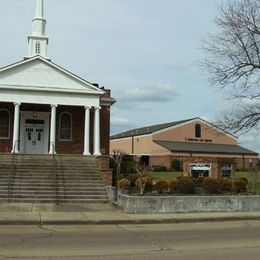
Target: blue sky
[{"x": 146, "y": 51}]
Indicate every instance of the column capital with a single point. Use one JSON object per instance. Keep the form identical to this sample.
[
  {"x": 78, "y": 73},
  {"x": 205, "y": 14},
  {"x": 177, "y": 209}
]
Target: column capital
[
  {"x": 97, "y": 108},
  {"x": 17, "y": 104},
  {"x": 54, "y": 106},
  {"x": 87, "y": 107}
]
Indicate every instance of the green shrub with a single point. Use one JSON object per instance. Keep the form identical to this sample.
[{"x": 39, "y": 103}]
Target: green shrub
[
  {"x": 161, "y": 187},
  {"x": 159, "y": 168},
  {"x": 239, "y": 186},
  {"x": 128, "y": 164},
  {"x": 176, "y": 165},
  {"x": 123, "y": 184},
  {"x": 244, "y": 179},
  {"x": 149, "y": 185},
  {"x": 172, "y": 184},
  {"x": 199, "y": 181},
  {"x": 225, "y": 184},
  {"x": 186, "y": 185},
  {"x": 211, "y": 185}
]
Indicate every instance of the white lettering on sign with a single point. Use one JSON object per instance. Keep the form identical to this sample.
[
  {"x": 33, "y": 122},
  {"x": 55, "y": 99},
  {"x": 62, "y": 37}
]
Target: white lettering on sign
[{"x": 198, "y": 140}]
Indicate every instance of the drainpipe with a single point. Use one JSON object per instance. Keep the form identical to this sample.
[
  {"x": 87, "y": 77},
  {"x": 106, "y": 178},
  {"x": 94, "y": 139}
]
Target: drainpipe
[
  {"x": 243, "y": 156},
  {"x": 133, "y": 145}
]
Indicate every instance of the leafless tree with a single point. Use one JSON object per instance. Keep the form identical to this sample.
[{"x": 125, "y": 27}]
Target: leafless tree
[
  {"x": 255, "y": 175},
  {"x": 117, "y": 156},
  {"x": 143, "y": 173},
  {"x": 233, "y": 62}
]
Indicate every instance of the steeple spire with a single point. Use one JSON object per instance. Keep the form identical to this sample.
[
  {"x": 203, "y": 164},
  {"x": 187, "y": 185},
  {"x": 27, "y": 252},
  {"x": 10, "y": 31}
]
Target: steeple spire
[
  {"x": 39, "y": 9},
  {"x": 38, "y": 41}
]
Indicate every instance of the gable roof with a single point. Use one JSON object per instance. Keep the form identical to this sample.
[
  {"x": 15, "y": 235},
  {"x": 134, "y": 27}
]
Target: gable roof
[
  {"x": 205, "y": 148},
  {"x": 148, "y": 129},
  {"x": 38, "y": 73}
]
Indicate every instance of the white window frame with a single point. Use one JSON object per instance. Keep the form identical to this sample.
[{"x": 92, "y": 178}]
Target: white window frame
[
  {"x": 38, "y": 48},
  {"x": 65, "y": 140},
  {"x": 9, "y": 124}
]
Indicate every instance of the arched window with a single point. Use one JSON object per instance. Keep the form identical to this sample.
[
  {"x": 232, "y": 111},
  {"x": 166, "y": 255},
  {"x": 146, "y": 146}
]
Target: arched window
[
  {"x": 65, "y": 126},
  {"x": 197, "y": 130},
  {"x": 38, "y": 48},
  {"x": 4, "y": 124}
]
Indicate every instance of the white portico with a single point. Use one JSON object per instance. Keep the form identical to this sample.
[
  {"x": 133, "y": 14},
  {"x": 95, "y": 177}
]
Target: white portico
[{"x": 46, "y": 87}]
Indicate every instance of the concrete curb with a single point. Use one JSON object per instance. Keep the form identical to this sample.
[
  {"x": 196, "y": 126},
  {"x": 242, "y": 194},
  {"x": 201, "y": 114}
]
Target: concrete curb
[{"x": 128, "y": 222}]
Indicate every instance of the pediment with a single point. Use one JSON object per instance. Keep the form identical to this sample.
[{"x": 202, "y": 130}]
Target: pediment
[{"x": 40, "y": 74}]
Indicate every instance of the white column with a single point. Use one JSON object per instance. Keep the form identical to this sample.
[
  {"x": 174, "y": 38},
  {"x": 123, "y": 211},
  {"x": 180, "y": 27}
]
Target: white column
[
  {"x": 87, "y": 131},
  {"x": 16, "y": 128},
  {"x": 53, "y": 129},
  {"x": 97, "y": 131}
]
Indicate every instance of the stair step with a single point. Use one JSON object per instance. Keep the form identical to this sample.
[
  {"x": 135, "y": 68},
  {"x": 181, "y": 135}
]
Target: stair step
[{"x": 79, "y": 179}]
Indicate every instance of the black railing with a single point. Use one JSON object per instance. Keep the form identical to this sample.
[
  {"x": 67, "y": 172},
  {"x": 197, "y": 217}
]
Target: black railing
[
  {"x": 12, "y": 171},
  {"x": 54, "y": 173}
]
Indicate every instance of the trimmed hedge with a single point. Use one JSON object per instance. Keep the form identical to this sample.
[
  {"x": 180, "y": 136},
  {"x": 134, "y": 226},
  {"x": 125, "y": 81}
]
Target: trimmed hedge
[
  {"x": 225, "y": 184},
  {"x": 211, "y": 185},
  {"x": 123, "y": 184},
  {"x": 239, "y": 186},
  {"x": 161, "y": 187},
  {"x": 186, "y": 185}
]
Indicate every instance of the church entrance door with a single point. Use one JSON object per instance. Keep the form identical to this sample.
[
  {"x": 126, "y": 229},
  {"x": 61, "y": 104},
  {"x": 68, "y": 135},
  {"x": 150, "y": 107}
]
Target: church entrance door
[
  {"x": 34, "y": 132},
  {"x": 34, "y": 139}
]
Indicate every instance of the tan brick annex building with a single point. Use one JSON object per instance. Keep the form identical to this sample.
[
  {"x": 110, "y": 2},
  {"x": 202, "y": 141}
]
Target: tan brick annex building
[{"x": 203, "y": 149}]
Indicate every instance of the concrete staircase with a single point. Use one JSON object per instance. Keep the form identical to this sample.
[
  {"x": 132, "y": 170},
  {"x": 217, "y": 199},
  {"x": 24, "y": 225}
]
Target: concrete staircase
[{"x": 78, "y": 179}]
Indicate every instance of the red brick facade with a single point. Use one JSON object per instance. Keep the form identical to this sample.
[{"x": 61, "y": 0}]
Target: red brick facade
[
  {"x": 76, "y": 145},
  {"x": 6, "y": 144}
]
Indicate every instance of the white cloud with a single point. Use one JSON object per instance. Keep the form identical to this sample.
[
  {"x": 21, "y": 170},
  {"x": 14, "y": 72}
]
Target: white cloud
[
  {"x": 119, "y": 124},
  {"x": 154, "y": 94}
]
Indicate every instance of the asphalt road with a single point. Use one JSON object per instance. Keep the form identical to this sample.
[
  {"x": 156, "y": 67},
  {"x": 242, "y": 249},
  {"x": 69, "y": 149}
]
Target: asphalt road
[{"x": 222, "y": 240}]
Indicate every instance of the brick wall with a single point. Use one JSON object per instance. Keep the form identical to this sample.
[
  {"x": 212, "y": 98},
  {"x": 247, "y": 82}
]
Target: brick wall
[
  {"x": 6, "y": 144},
  {"x": 103, "y": 162},
  {"x": 215, "y": 164},
  {"x": 76, "y": 145}
]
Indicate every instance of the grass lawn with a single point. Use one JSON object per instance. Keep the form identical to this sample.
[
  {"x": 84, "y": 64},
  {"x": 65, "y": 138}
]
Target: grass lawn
[
  {"x": 173, "y": 175},
  {"x": 247, "y": 175},
  {"x": 165, "y": 175}
]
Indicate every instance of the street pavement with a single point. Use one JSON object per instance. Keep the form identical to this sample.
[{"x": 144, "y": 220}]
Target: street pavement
[
  {"x": 238, "y": 240},
  {"x": 102, "y": 213}
]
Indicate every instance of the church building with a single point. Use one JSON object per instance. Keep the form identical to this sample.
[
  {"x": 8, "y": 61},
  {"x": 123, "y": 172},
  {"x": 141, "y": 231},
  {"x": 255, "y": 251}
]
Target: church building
[
  {"x": 46, "y": 109},
  {"x": 54, "y": 129}
]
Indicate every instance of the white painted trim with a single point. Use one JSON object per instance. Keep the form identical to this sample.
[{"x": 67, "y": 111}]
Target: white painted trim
[
  {"x": 47, "y": 89},
  {"x": 71, "y": 118},
  {"x": 100, "y": 92},
  {"x": 194, "y": 121},
  {"x": 41, "y": 116},
  {"x": 9, "y": 124},
  {"x": 135, "y": 137},
  {"x": 119, "y": 139},
  {"x": 47, "y": 98}
]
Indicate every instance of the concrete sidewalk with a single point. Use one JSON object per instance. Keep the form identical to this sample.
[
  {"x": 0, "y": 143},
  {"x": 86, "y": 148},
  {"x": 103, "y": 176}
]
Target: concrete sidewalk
[{"x": 93, "y": 214}]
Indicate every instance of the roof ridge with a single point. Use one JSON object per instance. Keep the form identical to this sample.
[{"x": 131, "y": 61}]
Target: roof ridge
[{"x": 131, "y": 131}]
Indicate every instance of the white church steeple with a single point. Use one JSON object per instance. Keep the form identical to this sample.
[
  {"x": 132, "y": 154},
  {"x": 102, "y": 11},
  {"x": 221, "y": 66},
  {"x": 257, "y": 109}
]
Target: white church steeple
[{"x": 38, "y": 41}]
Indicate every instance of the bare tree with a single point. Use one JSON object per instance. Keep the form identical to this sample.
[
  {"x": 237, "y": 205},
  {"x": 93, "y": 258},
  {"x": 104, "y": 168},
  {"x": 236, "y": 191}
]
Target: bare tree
[
  {"x": 255, "y": 175},
  {"x": 143, "y": 173},
  {"x": 233, "y": 61},
  {"x": 117, "y": 156}
]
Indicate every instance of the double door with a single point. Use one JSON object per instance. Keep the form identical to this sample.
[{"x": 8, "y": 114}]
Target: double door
[{"x": 34, "y": 139}]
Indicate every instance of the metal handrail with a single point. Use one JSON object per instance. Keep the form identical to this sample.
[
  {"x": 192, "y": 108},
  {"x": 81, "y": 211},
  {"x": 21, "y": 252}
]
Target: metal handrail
[
  {"x": 54, "y": 172},
  {"x": 12, "y": 172}
]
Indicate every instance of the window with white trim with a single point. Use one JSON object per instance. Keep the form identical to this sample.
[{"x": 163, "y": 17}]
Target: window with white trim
[
  {"x": 4, "y": 124},
  {"x": 37, "y": 48},
  {"x": 65, "y": 133}
]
